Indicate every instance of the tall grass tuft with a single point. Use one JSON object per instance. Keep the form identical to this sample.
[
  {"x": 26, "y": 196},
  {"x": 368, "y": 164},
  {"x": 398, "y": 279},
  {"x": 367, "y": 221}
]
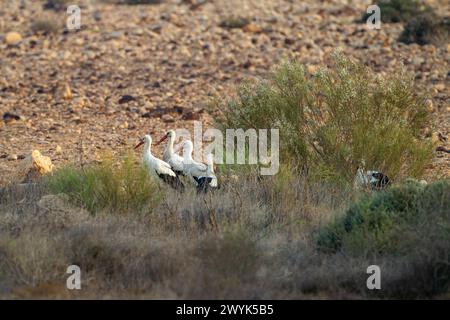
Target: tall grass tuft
[
  {"x": 119, "y": 186},
  {"x": 333, "y": 120}
]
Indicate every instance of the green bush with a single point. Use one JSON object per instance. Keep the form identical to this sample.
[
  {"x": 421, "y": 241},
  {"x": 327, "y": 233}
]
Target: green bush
[
  {"x": 233, "y": 22},
  {"x": 46, "y": 26},
  {"x": 331, "y": 121},
  {"x": 426, "y": 29},
  {"x": 57, "y": 5},
  {"x": 121, "y": 187},
  {"x": 391, "y": 221},
  {"x": 400, "y": 10}
]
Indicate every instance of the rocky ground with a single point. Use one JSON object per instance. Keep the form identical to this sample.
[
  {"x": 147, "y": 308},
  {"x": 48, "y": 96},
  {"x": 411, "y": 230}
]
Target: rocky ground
[{"x": 132, "y": 70}]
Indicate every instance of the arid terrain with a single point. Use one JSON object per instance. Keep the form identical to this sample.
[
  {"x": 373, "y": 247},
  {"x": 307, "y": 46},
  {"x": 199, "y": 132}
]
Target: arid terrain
[
  {"x": 138, "y": 69},
  {"x": 333, "y": 87}
]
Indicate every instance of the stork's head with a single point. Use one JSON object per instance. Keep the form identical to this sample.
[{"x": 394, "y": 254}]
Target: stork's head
[
  {"x": 147, "y": 139},
  {"x": 170, "y": 135},
  {"x": 188, "y": 147}
]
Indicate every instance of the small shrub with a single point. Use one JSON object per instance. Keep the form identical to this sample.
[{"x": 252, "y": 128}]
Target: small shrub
[
  {"x": 426, "y": 29},
  {"x": 57, "y": 5},
  {"x": 390, "y": 221},
  {"x": 117, "y": 186},
  {"x": 332, "y": 121},
  {"x": 400, "y": 10},
  {"x": 233, "y": 22},
  {"x": 46, "y": 26}
]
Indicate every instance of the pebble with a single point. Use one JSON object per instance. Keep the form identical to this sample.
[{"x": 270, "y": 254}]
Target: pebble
[
  {"x": 58, "y": 150},
  {"x": 439, "y": 87},
  {"x": 126, "y": 98},
  {"x": 252, "y": 28},
  {"x": 12, "y": 157},
  {"x": 167, "y": 118},
  {"x": 67, "y": 92},
  {"x": 312, "y": 69},
  {"x": 417, "y": 61},
  {"x": 13, "y": 38},
  {"x": 138, "y": 32},
  {"x": 429, "y": 105}
]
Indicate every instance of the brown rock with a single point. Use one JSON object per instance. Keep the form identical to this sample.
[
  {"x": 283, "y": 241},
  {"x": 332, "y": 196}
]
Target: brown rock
[
  {"x": 126, "y": 98},
  {"x": 33, "y": 166},
  {"x": 10, "y": 117},
  {"x": 13, "y": 38},
  {"x": 289, "y": 41},
  {"x": 429, "y": 104},
  {"x": 440, "y": 87},
  {"x": 67, "y": 92},
  {"x": 167, "y": 118},
  {"x": 253, "y": 28},
  {"x": 191, "y": 115},
  {"x": 58, "y": 150},
  {"x": 12, "y": 157}
]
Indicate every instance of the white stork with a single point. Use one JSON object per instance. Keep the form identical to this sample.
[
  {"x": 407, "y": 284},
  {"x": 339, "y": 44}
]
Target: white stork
[
  {"x": 370, "y": 179},
  {"x": 169, "y": 156},
  {"x": 201, "y": 175},
  {"x": 158, "y": 168}
]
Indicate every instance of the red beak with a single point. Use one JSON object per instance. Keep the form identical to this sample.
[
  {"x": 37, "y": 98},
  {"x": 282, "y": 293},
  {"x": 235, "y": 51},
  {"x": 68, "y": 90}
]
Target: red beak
[
  {"x": 162, "y": 139},
  {"x": 141, "y": 142}
]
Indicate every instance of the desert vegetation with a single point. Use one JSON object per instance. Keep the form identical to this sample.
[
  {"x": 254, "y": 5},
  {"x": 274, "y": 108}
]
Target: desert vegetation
[
  {"x": 73, "y": 103},
  {"x": 303, "y": 233},
  {"x": 333, "y": 119},
  {"x": 422, "y": 24},
  {"x": 291, "y": 239}
]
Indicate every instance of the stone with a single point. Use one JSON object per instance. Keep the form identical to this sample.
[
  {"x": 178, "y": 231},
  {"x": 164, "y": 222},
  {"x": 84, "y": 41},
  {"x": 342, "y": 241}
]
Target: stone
[
  {"x": 12, "y": 157},
  {"x": 312, "y": 69},
  {"x": 429, "y": 105},
  {"x": 289, "y": 41},
  {"x": 10, "y": 117},
  {"x": 126, "y": 98},
  {"x": 13, "y": 38},
  {"x": 59, "y": 208},
  {"x": 58, "y": 150},
  {"x": 439, "y": 87},
  {"x": 191, "y": 115},
  {"x": 167, "y": 118},
  {"x": 435, "y": 138},
  {"x": 67, "y": 93},
  {"x": 417, "y": 61},
  {"x": 252, "y": 28},
  {"x": 34, "y": 166}
]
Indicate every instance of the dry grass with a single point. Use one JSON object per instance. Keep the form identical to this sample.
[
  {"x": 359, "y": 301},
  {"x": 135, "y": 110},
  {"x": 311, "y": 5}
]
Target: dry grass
[
  {"x": 216, "y": 246},
  {"x": 255, "y": 238}
]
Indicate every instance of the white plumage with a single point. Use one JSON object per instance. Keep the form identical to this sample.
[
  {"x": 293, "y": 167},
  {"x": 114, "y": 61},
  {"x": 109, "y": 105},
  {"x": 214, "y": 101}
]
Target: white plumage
[
  {"x": 157, "y": 167},
  {"x": 370, "y": 179},
  {"x": 200, "y": 174},
  {"x": 174, "y": 160}
]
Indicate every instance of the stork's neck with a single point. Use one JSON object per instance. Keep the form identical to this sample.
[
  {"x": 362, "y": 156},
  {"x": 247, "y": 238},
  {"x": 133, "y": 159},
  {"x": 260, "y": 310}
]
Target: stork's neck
[
  {"x": 147, "y": 148},
  {"x": 169, "y": 149},
  {"x": 187, "y": 155},
  {"x": 210, "y": 165}
]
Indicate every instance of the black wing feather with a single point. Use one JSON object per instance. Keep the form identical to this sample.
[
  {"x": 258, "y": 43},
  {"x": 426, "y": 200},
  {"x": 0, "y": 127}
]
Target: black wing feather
[{"x": 172, "y": 181}]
